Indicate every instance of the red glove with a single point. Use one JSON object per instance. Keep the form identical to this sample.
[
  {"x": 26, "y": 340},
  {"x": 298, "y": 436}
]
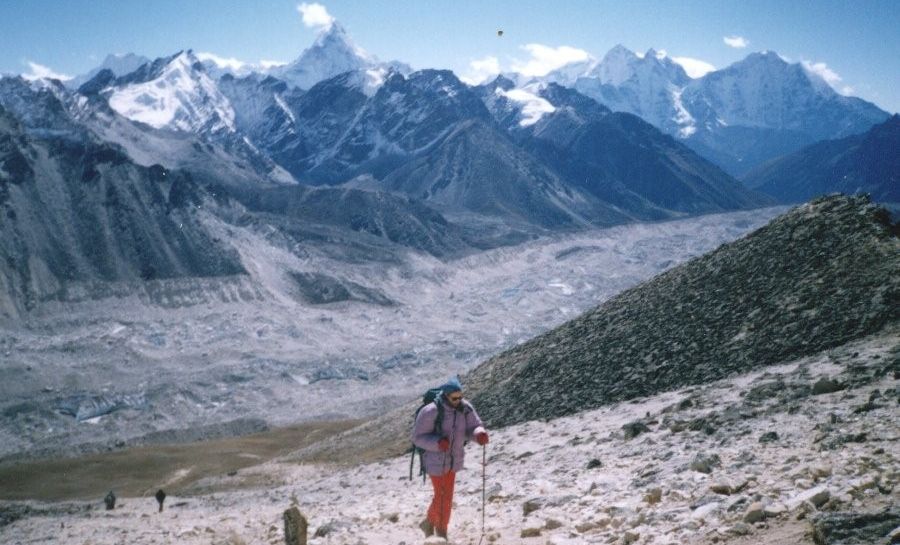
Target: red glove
[
  {"x": 444, "y": 444},
  {"x": 481, "y": 438}
]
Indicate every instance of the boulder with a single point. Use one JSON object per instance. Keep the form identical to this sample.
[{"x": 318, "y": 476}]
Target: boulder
[
  {"x": 848, "y": 528},
  {"x": 826, "y": 386},
  {"x": 816, "y": 496}
]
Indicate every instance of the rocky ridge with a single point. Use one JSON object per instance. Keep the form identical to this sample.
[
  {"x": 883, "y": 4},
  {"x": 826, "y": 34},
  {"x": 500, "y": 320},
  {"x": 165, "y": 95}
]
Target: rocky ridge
[{"x": 814, "y": 278}]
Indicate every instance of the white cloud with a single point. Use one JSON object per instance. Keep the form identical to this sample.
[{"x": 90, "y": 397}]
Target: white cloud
[
  {"x": 266, "y": 64},
  {"x": 832, "y": 78},
  {"x": 39, "y": 71},
  {"x": 737, "y": 42},
  {"x": 695, "y": 68},
  {"x": 821, "y": 69},
  {"x": 221, "y": 62},
  {"x": 481, "y": 70},
  {"x": 315, "y": 16},
  {"x": 545, "y": 59}
]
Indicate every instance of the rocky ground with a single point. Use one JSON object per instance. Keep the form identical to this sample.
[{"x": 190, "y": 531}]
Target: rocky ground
[{"x": 803, "y": 451}]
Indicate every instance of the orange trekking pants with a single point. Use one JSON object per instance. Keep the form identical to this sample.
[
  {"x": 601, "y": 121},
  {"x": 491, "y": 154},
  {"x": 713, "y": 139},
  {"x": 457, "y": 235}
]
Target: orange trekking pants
[{"x": 442, "y": 503}]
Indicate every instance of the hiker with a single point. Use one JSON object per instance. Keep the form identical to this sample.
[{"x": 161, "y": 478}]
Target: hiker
[{"x": 443, "y": 449}]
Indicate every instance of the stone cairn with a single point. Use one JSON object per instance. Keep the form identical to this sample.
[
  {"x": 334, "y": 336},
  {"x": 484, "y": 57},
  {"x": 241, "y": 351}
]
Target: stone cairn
[{"x": 295, "y": 527}]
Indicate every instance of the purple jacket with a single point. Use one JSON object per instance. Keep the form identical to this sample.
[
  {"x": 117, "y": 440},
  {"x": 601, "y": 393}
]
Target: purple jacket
[{"x": 458, "y": 425}]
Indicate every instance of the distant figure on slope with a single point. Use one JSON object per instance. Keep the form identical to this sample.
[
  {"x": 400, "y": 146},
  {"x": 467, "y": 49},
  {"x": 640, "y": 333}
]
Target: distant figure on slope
[{"x": 444, "y": 454}]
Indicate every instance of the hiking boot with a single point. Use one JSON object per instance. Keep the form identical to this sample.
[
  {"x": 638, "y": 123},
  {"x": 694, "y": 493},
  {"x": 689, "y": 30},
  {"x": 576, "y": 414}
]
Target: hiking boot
[{"x": 427, "y": 527}]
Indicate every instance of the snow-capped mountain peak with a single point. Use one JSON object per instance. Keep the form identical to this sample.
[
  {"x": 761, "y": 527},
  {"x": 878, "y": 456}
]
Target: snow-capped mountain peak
[
  {"x": 174, "y": 93},
  {"x": 336, "y": 39},
  {"x": 616, "y": 66},
  {"x": 331, "y": 54},
  {"x": 118, "y": 64}
]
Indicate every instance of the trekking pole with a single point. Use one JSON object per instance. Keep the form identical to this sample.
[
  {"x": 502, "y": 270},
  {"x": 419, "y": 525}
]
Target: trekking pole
[{"x": 483, "y": 488}]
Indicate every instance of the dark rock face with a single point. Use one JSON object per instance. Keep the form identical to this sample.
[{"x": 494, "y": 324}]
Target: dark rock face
[
  {"x": 477, "y": 168},
  {"x": 863, "y": 163},
  {"x": 91, "y": 214},
  {"x": 853, "y": 528},
  {"x": 814, "y": 278},
  {"x": 394, "y": 218}
]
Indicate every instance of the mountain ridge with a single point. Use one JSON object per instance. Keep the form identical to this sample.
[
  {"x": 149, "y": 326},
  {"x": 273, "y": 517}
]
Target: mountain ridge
[{"x": 862, "y": 163}]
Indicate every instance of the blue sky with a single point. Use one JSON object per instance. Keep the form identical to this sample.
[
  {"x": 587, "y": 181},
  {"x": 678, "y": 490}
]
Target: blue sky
[{"x": 855, "y": 44}]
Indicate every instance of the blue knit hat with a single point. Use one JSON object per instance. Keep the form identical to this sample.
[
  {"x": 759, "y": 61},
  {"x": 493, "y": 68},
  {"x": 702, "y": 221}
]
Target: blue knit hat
[{"x": 452, "y": 385}]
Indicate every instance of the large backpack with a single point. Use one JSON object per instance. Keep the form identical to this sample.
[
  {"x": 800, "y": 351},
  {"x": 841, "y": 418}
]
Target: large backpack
[{"x": 431, "y": 396}]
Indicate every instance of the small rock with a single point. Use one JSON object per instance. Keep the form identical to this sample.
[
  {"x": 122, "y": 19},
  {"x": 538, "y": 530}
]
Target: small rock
[
  {"x": 594, "y": 464},
  {"x": 552, "y": 524},
  {"x": 768, "y": 437},
  {"x": 721, "y": 488},
  {"x": 860, "y": 485},
  {"x": 531, "y": 506},
  {"x": 633, "y": 429},
  {"x": 653, "y": 496},
  {"x": 755, "y": 513},
  {"x": 820, "y": 472},
  {"x": 392, "y": 517},
  {"x": 531, "y": 532},
  {"x": 826, "y": 386},
  {"x": 774, "y": 510},
  {"x": 703, "y": 511},
  {"x": 740, "y": 529},
  {"x": 630, "y": 537},
  {"x": 816, "y": 496},
  {"x": 706, "y": 463}
]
